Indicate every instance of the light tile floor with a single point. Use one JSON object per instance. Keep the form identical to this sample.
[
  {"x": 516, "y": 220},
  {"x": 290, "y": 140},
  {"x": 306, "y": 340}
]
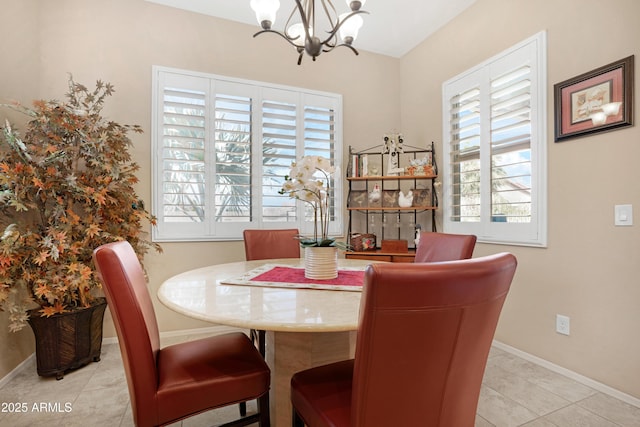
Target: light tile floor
[{"x": 515, "y": 392}]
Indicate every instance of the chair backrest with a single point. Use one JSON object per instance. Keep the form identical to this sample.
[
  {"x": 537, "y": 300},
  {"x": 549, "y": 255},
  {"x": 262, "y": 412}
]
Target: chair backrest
[
  {"x": 435, "y": 247},
  {"x": 424, "y": 335},
  {"x": 270, "y": 244},
  {"x": 125, "y": 287}
]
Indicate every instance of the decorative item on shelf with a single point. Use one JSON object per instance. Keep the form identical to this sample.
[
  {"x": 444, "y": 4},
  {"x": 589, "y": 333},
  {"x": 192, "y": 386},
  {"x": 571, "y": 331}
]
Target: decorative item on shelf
[
  {"x": 310, "y": 181},
  {"x": 393, "y": 147},
  {"x": 66, "y": 187},
  {"x": 375, "y": 196},
  {"x": 365, "y": 165},
  {"x": 437, "y": 187},
  {"x": 358, "y": 199},
  {"x": 361, "y": 242},
  {"x": 417, "y": 231},
  {"x": 420, "y": 167},
  {"x": 420, "y": 170},
  {"x": 353, "y": 168},
  {"x": 390, "y": 198},
  {"x": 405, "y": 201},
  {"x": 422, "y": 198},
  {"x": 395, "y": 246},
  {"x": 301, "y": 35}
]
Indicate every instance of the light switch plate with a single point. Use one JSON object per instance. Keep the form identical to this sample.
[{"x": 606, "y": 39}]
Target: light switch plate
[{"x": 623, "y": 215}]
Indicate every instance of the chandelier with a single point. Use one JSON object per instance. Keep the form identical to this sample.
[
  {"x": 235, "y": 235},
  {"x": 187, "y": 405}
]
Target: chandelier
[{"x": 299, "y": 28}]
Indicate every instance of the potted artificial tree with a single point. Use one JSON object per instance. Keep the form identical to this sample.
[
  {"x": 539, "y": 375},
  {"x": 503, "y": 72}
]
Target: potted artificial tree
[{"x": 66, "y": 187}]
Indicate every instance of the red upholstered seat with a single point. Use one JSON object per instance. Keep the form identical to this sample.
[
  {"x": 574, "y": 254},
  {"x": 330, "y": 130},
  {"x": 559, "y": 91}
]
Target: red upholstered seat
[
  {"x": 271, "y": 244},
  {"x": 175, "y": 382},
  {"x": 434, "y": 247},
  {"x": 424, "y": 336}
]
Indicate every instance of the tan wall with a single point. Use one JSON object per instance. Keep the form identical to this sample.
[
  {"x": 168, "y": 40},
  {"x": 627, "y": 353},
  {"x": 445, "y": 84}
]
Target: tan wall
[
  {"x": 590, "y": 269},
  {"x": 120, "y": 40},
  {"x": 18, "y": 81}
]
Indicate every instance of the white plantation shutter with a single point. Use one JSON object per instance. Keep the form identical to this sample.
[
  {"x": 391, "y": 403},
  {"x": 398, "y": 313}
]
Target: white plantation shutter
[
  {"x": 511, "y": 146},
  {"x": 495, "y": 147},
  {"x": 179, "y": 138},
  {"x": 183, "y": 165},
  {"x": 232, "y": 139},
  {"x": 464, "y": 156},
  {"x": 295, "y": 125},
  {"x": 279, "y": 149},
  {"x": 320, "y": 140},
  {"x": 222, "y": 147}
]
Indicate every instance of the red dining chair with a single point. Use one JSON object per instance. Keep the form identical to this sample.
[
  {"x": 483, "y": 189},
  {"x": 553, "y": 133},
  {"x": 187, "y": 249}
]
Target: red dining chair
[
  {"x": 269, "y": 244},
  {"x": 434, "y": 247},
  {"x": 399, "y": 381},
  {"x": 178, "y": 381}
]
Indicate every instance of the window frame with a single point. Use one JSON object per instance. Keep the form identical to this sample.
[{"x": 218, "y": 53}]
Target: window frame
[
  {"x": 530, "y": 51},
  {"x": 209, "y": 229}
]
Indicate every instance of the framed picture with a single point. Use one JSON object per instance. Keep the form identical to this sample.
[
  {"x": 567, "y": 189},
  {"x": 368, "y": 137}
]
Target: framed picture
[{"x": 597, "y": 101}]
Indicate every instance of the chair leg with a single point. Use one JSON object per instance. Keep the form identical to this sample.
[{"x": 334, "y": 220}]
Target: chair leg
[
  {"x": 262, "y": 343},
  {"x": 243, "y": 408},
  {"x": 296, "y": 421},
  {"x": 258, "y": 339},
  {"x": 261, "y": 417},
  {"x": 263, "y": 408}
]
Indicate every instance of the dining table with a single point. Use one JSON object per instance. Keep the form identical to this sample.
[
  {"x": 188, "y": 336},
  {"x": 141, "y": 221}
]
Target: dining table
[{"x": 306, "y": 323}]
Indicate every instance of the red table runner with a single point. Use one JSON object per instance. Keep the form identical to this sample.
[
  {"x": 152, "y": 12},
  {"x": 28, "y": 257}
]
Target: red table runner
[
  {"x": 296, "y": 275},
  {"x": 279, "y": 276}
]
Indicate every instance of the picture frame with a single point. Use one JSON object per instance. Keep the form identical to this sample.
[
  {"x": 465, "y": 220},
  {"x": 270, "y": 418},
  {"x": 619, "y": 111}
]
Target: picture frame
[{"x": 598, "y": 101}]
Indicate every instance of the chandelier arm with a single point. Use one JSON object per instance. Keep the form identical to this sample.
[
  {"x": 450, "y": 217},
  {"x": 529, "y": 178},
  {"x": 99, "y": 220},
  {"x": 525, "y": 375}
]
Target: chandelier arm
[
  {"x": 303, "y": 17},
  {"x": 286, "y": 24},
  {"x": 333, "y": 32},
  {"x": 353, "y": 49},
  {"x": 284, "y": 36},
  {"x": 326, "y": 11}
]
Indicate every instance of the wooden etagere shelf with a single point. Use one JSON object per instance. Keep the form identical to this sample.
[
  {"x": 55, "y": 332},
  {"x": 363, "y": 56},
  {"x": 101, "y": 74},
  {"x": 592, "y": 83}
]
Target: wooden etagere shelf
[
  {"x": 389, "y": 178},
  {"x": 386, "y": 219}
]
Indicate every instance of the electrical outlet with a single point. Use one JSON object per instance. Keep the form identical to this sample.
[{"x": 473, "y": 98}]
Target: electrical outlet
[{"x": 563, "y": 324}]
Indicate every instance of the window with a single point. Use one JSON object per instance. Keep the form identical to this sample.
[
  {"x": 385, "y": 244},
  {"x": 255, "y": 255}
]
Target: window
[
  {"x": 495, "y": 148},
  {"x": 221, "y": 148}
]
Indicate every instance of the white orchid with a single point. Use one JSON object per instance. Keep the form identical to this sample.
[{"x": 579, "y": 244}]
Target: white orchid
[{"x": 302, "y": 183}]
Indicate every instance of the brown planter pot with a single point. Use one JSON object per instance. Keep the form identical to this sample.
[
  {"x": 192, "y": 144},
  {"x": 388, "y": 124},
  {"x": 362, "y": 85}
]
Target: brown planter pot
[{"x": 67, "y": 341}]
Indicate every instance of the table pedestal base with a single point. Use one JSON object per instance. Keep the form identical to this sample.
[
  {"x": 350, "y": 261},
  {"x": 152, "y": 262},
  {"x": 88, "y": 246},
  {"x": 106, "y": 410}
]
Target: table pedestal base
[{"x": 290, "y": 352}]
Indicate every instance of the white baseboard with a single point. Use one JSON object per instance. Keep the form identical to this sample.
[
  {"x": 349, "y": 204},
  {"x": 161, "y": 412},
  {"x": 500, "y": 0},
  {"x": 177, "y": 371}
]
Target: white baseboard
[
  {"x": 603, "y": 388},
  {"x": 18, "y": 369}
]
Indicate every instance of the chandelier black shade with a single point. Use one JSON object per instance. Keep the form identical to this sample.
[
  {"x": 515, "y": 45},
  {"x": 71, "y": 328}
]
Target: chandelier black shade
[{"x": 300, "y": 28}]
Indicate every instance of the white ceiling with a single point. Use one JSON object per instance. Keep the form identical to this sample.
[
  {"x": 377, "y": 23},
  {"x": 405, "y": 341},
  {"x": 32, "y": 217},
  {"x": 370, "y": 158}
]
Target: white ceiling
[{"x": 393, "y": 27}]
